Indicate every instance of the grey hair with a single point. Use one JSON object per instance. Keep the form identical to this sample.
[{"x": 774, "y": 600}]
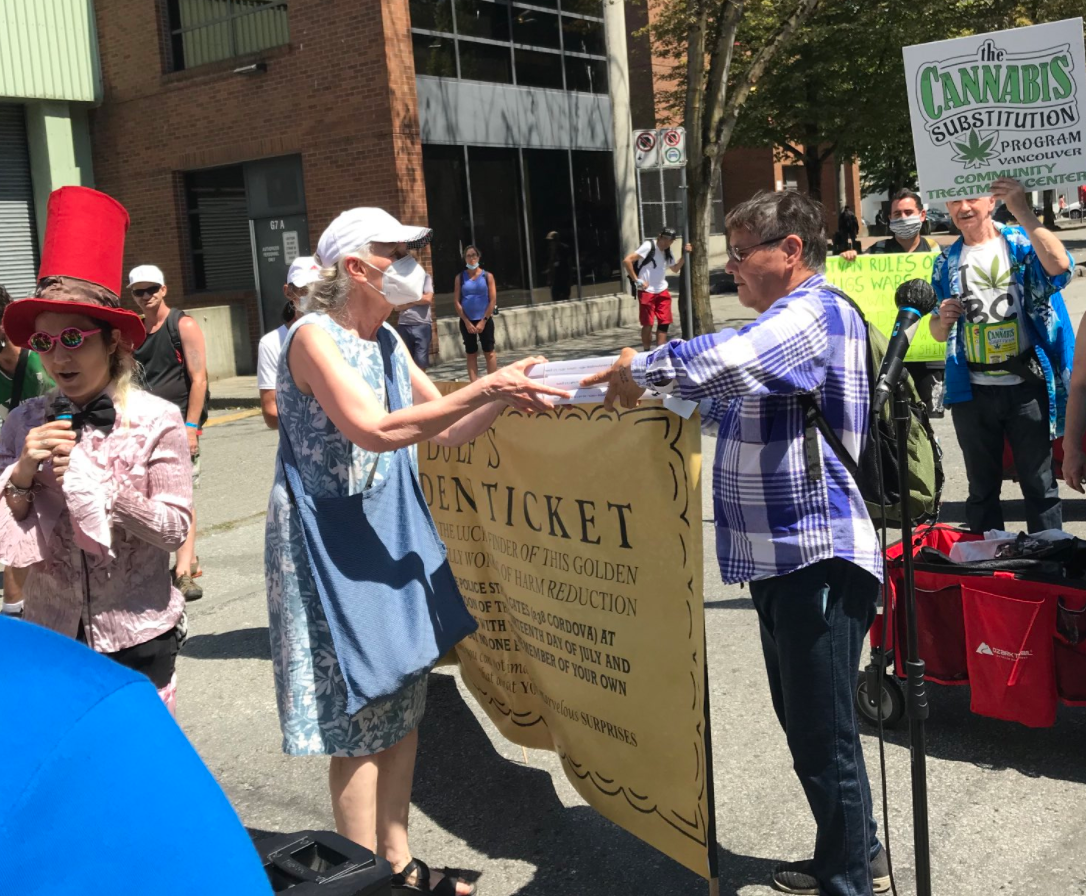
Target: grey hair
[
  {"x": 328, "y": 294},
  {"x": 769, "y": 215}
]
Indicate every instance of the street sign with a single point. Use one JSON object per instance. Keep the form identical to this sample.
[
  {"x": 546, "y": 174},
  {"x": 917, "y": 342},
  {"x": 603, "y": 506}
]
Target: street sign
[
  {"x": 646, "y": 149},
  {"x": 674, "y": 143},
  {"x": 662, "y": 148}
]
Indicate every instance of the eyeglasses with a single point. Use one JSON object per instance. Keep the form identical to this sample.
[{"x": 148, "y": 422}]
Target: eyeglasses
[
  {"x": 146, "y": 291},
  {"x": 70, "y": 337},
  {"x": 740, "y": 255}
]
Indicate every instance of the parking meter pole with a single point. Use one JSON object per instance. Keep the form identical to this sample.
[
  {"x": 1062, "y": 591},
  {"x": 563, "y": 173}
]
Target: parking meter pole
[{"x": 688, "y": 297}]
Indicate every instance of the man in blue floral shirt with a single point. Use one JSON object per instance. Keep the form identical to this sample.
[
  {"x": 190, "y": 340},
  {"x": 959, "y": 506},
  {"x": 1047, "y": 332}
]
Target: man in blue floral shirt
[{"x": 1009, "y": 351}]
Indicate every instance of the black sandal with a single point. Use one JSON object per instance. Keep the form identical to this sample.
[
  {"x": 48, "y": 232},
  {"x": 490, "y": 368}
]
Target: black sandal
[{"x": 447, "y": 886}]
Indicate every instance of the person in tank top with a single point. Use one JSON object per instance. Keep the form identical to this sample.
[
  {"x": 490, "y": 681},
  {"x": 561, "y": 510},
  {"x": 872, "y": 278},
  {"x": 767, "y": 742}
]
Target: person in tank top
[{"x": 174, "y": 368}]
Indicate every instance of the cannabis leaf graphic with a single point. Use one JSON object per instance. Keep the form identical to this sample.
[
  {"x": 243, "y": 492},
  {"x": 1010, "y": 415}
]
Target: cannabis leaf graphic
[
  {"x": 977, "y": 152},
  {"x": 993, "y": 279}
]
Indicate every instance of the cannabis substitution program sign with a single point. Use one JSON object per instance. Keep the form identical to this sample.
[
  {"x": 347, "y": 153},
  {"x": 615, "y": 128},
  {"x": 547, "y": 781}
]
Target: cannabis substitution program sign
[{"x": 1004, "y": 104}]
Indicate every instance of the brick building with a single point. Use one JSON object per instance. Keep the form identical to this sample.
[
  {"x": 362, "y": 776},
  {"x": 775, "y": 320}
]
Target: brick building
[{"x": 234, "y": 130}]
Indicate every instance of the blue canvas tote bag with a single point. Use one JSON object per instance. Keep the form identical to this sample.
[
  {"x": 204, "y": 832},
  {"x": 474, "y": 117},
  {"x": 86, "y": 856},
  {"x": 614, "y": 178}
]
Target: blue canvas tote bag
[{"x": 380, "y": 568}]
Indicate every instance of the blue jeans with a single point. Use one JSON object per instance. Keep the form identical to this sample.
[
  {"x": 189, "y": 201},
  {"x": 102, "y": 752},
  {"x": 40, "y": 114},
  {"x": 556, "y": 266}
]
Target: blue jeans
[
  {"x": 1020, "y": 413},
  {"x": 813, "y": 624},
  {"x": 416, "y": 339}
]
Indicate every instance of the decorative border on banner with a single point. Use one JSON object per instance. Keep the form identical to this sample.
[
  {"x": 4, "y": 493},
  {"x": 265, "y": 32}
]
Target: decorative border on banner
[{"x": 695, "y": 827}]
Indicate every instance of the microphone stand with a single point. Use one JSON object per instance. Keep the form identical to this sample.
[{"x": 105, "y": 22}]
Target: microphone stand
[{"x": 916, "y": 698}]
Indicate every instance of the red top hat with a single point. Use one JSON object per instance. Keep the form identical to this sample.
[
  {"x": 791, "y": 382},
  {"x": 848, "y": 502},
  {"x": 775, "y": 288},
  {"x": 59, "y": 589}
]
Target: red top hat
[{"x": 81, "y": 266}]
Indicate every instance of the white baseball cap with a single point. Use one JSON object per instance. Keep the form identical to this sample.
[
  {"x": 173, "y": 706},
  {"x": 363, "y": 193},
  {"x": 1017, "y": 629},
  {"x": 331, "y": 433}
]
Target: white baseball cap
[
  {"x": 358, "y": 227},
  {"x": 146, "y": 273},
  {"x": 303, "y": 271}
]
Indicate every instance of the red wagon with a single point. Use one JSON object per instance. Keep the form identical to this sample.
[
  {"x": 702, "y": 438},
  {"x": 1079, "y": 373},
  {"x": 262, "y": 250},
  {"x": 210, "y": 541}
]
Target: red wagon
[{"x": 1017, "y": 638}]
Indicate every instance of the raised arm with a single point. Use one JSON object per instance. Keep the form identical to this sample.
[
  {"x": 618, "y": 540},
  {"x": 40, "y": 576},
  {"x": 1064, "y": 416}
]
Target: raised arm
[{"x": 1051, "y": 253}]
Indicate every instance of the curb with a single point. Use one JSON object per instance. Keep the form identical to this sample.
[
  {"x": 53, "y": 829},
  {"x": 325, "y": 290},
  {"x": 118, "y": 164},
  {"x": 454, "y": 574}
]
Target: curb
[{"x": 226, "y": 403}]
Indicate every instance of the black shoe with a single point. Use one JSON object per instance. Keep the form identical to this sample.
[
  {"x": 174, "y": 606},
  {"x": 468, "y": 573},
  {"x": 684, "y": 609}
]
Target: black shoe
[{"x": 795, "y": 877}]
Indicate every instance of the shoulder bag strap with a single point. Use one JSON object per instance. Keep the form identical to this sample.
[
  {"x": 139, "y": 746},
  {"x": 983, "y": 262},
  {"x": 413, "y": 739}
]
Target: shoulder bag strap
[
  {"x": 19, "y": 378},
  {"x": 173, "y": 327},
  {"x": 387, "y": 343},
  {"x": 813, "y": 418}
]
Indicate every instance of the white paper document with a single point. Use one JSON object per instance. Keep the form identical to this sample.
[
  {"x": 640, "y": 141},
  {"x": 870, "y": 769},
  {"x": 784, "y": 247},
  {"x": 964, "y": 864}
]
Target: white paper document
[{"x": 568, "y": 375}]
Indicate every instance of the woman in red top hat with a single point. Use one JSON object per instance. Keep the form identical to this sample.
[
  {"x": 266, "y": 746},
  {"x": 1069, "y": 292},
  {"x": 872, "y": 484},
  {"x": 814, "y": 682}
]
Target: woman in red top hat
[{"x": 96, "y": 478}]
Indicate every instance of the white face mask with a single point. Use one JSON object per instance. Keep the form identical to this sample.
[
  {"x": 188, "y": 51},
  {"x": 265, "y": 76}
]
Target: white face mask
[
  {"x": 403, "y": 281},
  {"x": 906, "y": 227}
]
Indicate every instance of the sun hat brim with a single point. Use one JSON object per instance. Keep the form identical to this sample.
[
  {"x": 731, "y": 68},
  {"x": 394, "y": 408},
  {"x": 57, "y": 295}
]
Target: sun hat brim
[{"x": 20, "y": 318}]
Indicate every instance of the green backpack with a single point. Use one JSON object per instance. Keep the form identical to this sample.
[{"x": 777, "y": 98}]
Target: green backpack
[{"x": 925, "y": 456}]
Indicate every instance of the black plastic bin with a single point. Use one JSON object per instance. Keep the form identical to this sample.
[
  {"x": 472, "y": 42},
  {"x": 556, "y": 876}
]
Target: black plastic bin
[{"x": 321, "y": 863}]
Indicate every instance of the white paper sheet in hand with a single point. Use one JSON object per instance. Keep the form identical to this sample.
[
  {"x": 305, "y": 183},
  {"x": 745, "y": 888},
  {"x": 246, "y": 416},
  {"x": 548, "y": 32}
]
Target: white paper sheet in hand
[{"x": 568, "y": 375}]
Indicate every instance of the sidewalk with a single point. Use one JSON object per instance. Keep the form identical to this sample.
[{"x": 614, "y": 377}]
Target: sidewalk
[{"x": 241, "y": 392}]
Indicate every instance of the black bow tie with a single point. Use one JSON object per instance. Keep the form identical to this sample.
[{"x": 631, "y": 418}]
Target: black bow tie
[{"x": 99, "y": 413}]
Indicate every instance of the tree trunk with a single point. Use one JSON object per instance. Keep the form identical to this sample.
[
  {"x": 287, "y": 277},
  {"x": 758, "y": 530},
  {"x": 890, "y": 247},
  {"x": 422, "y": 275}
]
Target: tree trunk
[{"x": 812, "y": 165}]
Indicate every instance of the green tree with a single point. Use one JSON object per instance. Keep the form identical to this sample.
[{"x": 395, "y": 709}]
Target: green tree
[
  {"x": 841, "y": 88},
  {"x": 715, "y": 77}
]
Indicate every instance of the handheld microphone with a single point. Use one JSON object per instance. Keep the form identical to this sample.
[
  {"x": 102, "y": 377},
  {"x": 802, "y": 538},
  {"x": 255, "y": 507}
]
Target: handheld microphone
[
  {"x": 914, "y": 299},
  {"x": 62, "y": 409}
]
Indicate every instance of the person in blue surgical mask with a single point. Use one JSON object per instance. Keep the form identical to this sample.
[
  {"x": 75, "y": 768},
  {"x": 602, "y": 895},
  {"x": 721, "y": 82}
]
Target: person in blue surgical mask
[
  {"x": 352, "y": 407},
  {"x": 907, "y": 217}
]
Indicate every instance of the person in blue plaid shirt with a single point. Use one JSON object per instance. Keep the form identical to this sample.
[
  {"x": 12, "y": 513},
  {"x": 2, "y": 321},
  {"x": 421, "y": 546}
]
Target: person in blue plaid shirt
[{"x": 807, "y": 546}]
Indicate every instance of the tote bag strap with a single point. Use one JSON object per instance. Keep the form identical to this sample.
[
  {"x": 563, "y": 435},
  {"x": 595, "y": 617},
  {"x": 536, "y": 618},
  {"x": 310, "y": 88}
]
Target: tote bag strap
[
  {"x": 387, "y": 344},
  {"x": 386, "y": 340}
]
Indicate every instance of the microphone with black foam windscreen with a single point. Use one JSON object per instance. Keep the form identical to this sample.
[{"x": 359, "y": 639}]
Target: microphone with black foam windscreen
[
  {"x": 914, "y": 299},
  {"x": 62, "y": 409}
]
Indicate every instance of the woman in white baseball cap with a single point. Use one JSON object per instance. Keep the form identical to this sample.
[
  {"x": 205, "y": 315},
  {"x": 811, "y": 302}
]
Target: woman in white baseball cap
[{"x": 354, "y": 586}]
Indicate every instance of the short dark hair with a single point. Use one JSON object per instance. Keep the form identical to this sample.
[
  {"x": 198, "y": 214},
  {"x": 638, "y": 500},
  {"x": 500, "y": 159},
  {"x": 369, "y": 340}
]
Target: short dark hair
[
  {"x": 768, "y": 215},
  {"x": 289, "y": 311},
  {"x": 5, "y": 299},
  {"x": 669, "y": 232},
  {"x": 906, "y": 193}
]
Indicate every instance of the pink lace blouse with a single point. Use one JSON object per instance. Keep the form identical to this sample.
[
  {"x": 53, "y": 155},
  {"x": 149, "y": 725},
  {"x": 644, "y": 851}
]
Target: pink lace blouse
[{"x": 98, "y": 545}]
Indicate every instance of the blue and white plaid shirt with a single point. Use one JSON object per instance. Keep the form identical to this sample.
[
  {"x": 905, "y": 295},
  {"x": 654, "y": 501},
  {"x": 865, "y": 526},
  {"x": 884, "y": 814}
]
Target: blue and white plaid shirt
[{"x": 771, "y": 519}]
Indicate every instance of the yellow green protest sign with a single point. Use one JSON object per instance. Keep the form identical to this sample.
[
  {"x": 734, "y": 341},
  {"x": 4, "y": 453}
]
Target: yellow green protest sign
[{"x": 871, "y": 281}]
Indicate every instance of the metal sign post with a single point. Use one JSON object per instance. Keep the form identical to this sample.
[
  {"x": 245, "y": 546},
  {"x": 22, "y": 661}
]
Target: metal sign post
[
  {"x": 666, "y": 148},
  {"x": 688, "y": 293}
]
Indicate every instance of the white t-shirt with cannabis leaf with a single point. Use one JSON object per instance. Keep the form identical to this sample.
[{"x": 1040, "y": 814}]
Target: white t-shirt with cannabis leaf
[{"x": 992, "y": 327}]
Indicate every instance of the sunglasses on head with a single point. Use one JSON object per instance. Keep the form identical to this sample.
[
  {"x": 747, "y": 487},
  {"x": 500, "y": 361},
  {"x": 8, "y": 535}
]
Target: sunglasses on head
[
  {"x": 146, "y": 291},
  {"x": 69, "y": 337}
]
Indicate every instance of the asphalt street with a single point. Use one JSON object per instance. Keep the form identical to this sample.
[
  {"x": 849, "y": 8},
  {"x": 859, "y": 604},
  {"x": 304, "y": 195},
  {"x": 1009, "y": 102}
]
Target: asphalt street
[{"x": 1006, "y": 801}]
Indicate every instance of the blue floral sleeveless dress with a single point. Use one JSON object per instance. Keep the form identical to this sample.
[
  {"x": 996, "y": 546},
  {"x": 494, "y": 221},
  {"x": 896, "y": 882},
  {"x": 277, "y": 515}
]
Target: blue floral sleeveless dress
[{"x": 309, "y": 686}]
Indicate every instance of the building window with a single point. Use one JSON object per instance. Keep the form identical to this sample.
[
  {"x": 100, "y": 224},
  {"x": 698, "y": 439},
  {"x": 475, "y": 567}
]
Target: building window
[
  {"x": 662, "y": 202},
  {"x": 222, "y": 255},
  {"x": 205, "y": 31},
  {"x": 558, "y": 44},
  {"x": 544, "y": 220}
]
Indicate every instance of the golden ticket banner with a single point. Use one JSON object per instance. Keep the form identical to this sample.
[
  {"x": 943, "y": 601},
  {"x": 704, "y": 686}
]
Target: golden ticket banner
[
  {"x": 575, "y": 537},
  {"x": 871, "y": 281}
]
